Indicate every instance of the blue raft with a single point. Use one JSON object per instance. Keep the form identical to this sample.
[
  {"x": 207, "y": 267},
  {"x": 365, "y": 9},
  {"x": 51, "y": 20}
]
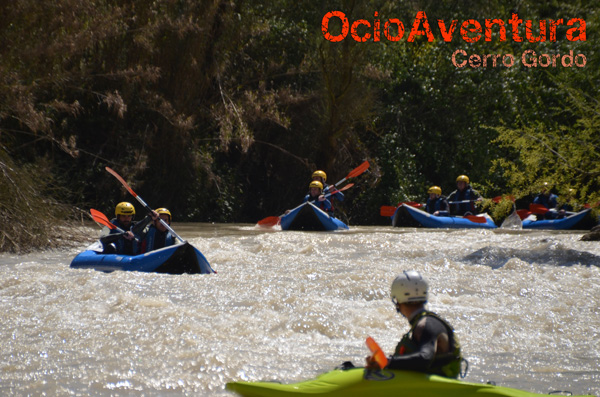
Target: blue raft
[
  {"x": 175, "y": 259},
  {"x": 566, "y": 223},
  {"x": 309, "y": 217},
  {"x": 452, "y": 222}
]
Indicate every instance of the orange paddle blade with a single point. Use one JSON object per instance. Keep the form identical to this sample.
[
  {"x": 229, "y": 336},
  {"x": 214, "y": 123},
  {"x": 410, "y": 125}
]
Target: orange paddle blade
[
  {"x": 100, "y": 218},
  {"x": 538, "y": 209},
  {"x": 378, "y": 354},
  {"x": 476, "y": 219},
  {"x": 269, "y": 221},
  {"x": 358, "y": 170},
  {"x": 387, "y": 210},
  {"x": 98, "y": 214},
  {"x": 523, "y": 213}
]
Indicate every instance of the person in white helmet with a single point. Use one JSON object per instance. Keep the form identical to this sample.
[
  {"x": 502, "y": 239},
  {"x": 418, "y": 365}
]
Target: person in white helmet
[{"x": 430, "y": 346}]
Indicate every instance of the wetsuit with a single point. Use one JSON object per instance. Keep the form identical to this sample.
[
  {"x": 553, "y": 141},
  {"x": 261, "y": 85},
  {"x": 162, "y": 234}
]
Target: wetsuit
[{"x": 417, "y": 349}]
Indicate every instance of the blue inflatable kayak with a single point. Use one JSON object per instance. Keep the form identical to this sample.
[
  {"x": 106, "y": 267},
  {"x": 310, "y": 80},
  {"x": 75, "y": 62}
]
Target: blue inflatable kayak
[
  {"x": 175, "y": 259},
  {"x": 453, "y": 222},
  {"x": 309, "y": 217},
  {"x": 387, "y": 383},
  {"x": 556, "y": 224}
]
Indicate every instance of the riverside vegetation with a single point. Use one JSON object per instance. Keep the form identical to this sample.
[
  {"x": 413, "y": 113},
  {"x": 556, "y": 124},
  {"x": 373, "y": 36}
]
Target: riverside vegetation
[{"x": 220, "y": 110}]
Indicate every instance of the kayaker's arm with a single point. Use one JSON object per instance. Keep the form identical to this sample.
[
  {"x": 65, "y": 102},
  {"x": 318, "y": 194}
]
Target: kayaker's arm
[{"x": 139, "y": 227}]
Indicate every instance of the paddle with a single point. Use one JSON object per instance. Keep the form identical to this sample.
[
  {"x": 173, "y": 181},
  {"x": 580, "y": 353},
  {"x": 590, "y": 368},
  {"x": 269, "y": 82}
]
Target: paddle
[
  {"x": 274, "y": 220},
  {"x": 355, "y": 172},
  {"x": 142, "y": 202},
  {"x": 538, "y": 209},
  {"x": 100, "y": 218},
  {"x": 388, "y": 210},
  {"x": 476, "y": 219},
  {"x": 378, "y": 354}
]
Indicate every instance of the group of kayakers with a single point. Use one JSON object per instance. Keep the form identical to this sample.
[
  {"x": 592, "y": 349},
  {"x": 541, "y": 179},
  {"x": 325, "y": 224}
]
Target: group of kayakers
[
  {"x": 319, "y": 192},
  {"x": 460, "y": 202},
  {"x": 137, "y": 237}
]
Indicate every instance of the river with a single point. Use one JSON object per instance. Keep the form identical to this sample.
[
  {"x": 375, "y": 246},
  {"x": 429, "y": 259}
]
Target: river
[{"x": 291, "y": 305}]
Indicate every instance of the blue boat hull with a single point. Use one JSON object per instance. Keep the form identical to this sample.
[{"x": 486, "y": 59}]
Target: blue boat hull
[
  {"x": 311, "y": 218},
  {"x": 402, "y": 218},
  {"x": 452, "y": 222},
  {"x": 556, "y": 224},
  {"x": 175, "y": 259}
]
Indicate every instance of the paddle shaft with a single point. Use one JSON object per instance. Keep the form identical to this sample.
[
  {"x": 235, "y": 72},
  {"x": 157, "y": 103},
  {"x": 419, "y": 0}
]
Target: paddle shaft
[
  {"x": 348, "y": 186},
  {"x": 142, "y": 202}
]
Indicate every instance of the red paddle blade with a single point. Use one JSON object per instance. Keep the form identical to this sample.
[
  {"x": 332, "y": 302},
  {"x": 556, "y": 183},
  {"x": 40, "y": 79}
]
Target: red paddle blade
[
  {"x": 98, "y": 214},
  {"x": 358, "y": 170},
  {"x": 523, "y": 214},
  {"x": 114, "y": 173},
  {"x": 102, "y": 221},
  {"x": 378, "y": 354},
  {"x": 476, "y": 219},
  {"x": 269, "y": 221},
  {"x": 538, "y": 209},
  {"x": 387, "y": 210}
]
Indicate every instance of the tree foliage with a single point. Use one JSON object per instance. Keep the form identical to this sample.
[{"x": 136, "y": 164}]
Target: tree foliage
[{"x": 220, "y": 110}]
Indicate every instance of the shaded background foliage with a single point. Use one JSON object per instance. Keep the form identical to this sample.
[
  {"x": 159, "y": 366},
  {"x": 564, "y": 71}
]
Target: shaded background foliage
[{"x": 220, "y": 110}]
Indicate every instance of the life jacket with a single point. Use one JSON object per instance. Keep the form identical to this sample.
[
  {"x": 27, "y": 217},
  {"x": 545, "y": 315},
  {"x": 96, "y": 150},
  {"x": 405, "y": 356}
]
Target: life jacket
[
  {"x": 150, "y": 239},
  {"x": 322, "y": 205},
  {"x": 122, "y": 245},
  {"x": 445, "y": 364},
  {"x": 436, "y": 205},
  {"x": 467, "y": 194}
]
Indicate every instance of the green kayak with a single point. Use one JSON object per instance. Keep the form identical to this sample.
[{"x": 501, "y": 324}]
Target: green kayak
[{"x": 358, "y": 382}]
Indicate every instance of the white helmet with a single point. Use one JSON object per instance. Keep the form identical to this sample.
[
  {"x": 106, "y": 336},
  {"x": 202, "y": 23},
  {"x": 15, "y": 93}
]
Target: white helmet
[{"x": 409, "y": 287}]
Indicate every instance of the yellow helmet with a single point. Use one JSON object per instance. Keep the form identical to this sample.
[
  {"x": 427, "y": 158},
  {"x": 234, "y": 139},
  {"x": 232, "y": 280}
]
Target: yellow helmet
[
  {"x": 125, "y": 208},
  {"x": 316, "y": 184},
  {"x": 434, "y": 189},
  {"x": 321, "y": 174},
  {"x": 164, "y": 211},
  {"x": 463, "y": 178}
]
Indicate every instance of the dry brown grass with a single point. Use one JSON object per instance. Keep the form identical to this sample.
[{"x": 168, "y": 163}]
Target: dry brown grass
[{"x": 29, "y": 220}]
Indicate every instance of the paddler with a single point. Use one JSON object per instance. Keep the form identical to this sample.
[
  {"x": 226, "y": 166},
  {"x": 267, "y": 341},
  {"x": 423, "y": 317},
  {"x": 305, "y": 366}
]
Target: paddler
[
  {"x": 315, "y": 195},
  {"x": 550, "y": 201},
  {"x": 436, "y": 203},
  {"x": 462, "y": 200},
  {"x": 120, "y": 243},
  {"x": 430, "y": 345},
  {"x": 321, "y": 176},
  {"x": 157, "y": 235}
]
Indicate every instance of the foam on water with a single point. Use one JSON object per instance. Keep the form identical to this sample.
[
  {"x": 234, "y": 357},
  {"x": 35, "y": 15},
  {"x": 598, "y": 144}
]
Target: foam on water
[{"x": 290, "y": 305}]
